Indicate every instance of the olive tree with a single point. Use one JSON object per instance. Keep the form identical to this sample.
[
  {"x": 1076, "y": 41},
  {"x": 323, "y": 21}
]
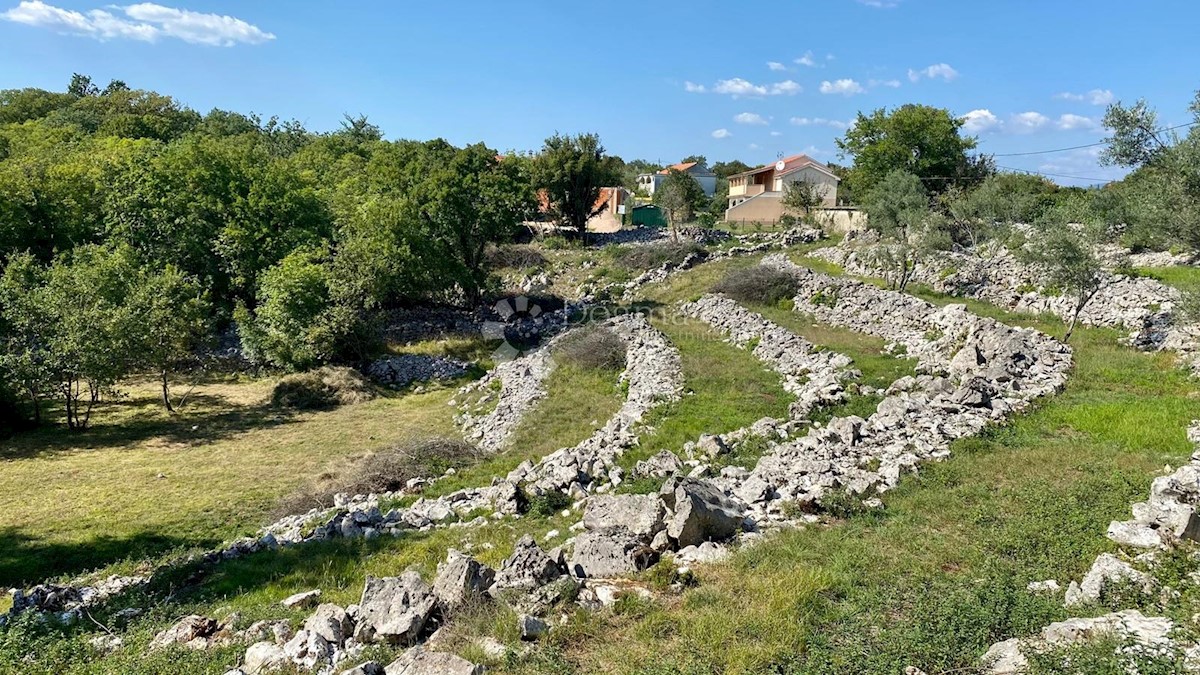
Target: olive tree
[{"x": 898, "y": 210}]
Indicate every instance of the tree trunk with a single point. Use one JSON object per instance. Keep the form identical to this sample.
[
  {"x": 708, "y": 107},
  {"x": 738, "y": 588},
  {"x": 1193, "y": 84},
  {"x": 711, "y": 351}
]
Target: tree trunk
[{"x": 166, "y": 392}]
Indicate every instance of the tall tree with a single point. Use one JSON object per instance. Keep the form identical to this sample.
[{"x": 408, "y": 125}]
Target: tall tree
[
  {"x": 572, "y": 170},
  {"x": 918, "y": 139},
  {"x": 1164, "y": 190}
]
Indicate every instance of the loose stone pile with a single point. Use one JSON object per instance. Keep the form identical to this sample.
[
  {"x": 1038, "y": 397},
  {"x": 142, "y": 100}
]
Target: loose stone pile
[
  {"x": 404, "y": 369},
  {"x": 69, "y": 602},
  {"x": 516, "y": 387},
  {"x": 1143, "y": 306},
  {"x": 972, "y": 371},
  {"x": 1159, "y": 524}
]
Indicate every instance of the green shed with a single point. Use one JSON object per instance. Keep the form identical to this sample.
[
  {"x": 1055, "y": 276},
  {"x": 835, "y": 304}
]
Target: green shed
[{"x": 650, "y": 215}]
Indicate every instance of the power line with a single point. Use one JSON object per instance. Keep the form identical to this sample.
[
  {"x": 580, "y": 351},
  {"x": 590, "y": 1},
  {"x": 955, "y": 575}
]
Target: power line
[
  {"x": 1089, "y": 145},
  {"x": 1054, "y": 175}
]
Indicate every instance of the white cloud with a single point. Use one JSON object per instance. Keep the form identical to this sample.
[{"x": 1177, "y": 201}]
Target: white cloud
[
  {"x": 1095, "y": 96},
  {"x": 753, "y": 146},
  {"x": 893, "y": 84},
  {"x": 880, "y": 4},
  {"x": 775, "y": 65},
  {"x": 1026, "y": 122},
  {"x": 776, "y": 133},
  {"x": 737, "y": 87},
  {"x": 787, "y": 87},
  {"x": 750, "y": 118},
  {"x": 721, "y": 133},
  {"x": 845, "y": 87},
  {"x": 1070, "y": 122},
  {"x": 807, "y": 60},
  {"x": 936, "y": 71},
  {"x": 980, "y": 120},
  {"x": 819, "y": 122},
  {"x": 146, "y": 22}
]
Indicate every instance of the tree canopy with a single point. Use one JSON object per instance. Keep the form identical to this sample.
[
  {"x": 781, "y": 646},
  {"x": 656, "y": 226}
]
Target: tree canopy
[{"x": 920, "y": 140}]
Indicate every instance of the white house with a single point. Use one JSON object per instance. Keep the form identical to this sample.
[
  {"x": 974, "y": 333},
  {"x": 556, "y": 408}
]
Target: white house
[{"x": 698, "y": 170}]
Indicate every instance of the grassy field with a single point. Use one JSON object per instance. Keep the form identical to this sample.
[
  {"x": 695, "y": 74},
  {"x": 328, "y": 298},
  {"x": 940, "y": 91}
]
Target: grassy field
[
  {"x": 142, "y": 482},
  {"x": 931, "y": 581}
]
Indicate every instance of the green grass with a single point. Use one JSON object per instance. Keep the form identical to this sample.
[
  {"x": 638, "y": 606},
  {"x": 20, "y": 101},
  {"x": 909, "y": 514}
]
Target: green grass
[
  {"x": 142, "y": 482},
  {"x": 726, "y": 388},
  {"x": 554, "y": 423}
]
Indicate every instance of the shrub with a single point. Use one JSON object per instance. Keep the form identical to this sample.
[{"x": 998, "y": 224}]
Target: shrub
[
  {"x": 514, "y": 256},
  {"x": 383, "y": 471},
  {"x": 548, "y": 503},
  {"x": 592, "y": 347},
  {"x": 650, "y": 256},
  {"x": 322, "y": 388},
  {"x": 759, "y": 284}
]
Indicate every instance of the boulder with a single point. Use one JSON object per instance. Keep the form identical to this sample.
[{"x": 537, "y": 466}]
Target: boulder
[
  {"x": 611, "y": 553},
  {"x": 528, "y": 567},
  {"x": 419, "y": 661},
  {"x": 332, "y": 623},
  {"x": 307, "y": 649},
  {"x": 192, "y": 630},
  {"x": 639, "y": 515},
  {"x": 702, "y": 513},
  {"x": 305, "y": 599},
  {"x": 531, "y": 627},
  {"x": 461, "y": 578},
  {"x": 263, "y": 657},
  {"x": 1106, "y": 571},
  {"x": 394, "y": 609},
  {"x": 278, "y": 631},
  {"x": 664, "y": 464}
]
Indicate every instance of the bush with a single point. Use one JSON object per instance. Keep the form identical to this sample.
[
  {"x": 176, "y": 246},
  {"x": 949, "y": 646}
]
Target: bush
[
  {"x": 650, "y": 256},
  {"x": 514, "y": 256},
  {"x": 385, "y": 471},
  {"x": 322, "y": 388},
  {"x": 759, "y": 285},
  {"x": 592, "y": 347}
]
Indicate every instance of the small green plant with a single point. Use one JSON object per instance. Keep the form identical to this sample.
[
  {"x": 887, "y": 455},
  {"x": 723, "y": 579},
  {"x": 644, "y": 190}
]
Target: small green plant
[
  {"x": 825, "y": 298},
  {"x": 548, "y": 503}
]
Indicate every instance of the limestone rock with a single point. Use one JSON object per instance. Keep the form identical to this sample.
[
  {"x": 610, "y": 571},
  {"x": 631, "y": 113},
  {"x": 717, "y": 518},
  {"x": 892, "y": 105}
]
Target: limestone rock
[
  {"x": 305, "y": 599},
  {"x": 702, "y": 512},
  {"x": 419, "y": 661},
  {"x": 639, "y": 515},
  {"x": 394, "y": 609},
  {"x": 192, "y": 630},
  {"x": 528, "y": 567},
  {"x": 332, "y": 623},
  {"x": 263, "y": 657},
  {"x": 366, "y": 668},
  {"x": 461, "y": 578},
  {"x": 611, "y": 553},
  {"x": 1106, "y": 571},
  {"x": 661, "y": 465}
]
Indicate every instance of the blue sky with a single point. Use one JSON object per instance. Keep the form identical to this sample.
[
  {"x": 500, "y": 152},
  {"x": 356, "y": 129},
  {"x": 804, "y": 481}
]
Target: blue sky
[{"x": 657, "y": 79}]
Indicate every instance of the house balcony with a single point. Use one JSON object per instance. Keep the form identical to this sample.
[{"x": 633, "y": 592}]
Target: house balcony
[{"x": 747, "y": 190}]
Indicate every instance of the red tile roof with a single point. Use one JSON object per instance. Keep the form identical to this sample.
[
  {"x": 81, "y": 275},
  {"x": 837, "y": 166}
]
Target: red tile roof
[
  {"x": 793, "y": 163},
  {"x": 682, "y": 166}
]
